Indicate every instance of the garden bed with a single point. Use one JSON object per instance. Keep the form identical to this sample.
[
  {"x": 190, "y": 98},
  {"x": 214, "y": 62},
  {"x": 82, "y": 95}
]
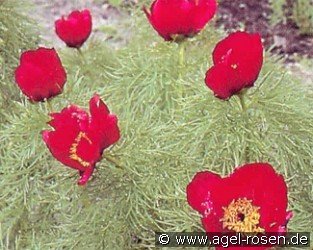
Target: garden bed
[
  {"x": 283, "y": 38},
  {"x": 167, "y": 125}
]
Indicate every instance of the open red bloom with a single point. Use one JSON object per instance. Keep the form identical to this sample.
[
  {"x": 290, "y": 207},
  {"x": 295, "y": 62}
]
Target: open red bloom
[
  {"x": 40, "y": 74},
  {"x": 252, "y": 199},
  {"x": 75, "y": 29},
  {"x": 78, "y": 139},
  {"x": 180, "y": 17},
  {"x": 237, "y": 61}
]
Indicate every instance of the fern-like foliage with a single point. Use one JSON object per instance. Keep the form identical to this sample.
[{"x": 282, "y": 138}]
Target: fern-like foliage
[
  {"x": 17, "y": 33},
  {"x": 172, "y": 126}
]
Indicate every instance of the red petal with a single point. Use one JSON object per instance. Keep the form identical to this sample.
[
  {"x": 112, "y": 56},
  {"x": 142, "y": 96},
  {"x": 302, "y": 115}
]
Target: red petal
[
  {"x": 103, "y": 125},
  {"x": 45, "y": 136},
  {"x": 257, "y": 182},
  {"x": 203, "y": 11},
  {"x": 40, "y": 74},
  {"x": 243, "y": 51},
  {"x": 260, "y": 183},
  {"x": 85, "y": 176},
  {"x": 75, "y": 29},
  {"x": 223, "y": 81},
  {"x": 97, "y": 107},
  {"x": 179, "y": 17},
  {"x": 199, "y": 191},
  {"x": 206, "y": 194},
  {"x": 79, "y": 139},
  {"x": 71, "y": 117},
  {"x": 68, "y": 124},
  {"x": 59, "y": 143}
]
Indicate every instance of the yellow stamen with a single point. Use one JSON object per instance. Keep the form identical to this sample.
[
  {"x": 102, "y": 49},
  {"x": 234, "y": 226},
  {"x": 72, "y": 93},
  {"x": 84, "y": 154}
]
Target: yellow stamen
[
  {"x": 242, "y": 216},
  {"x": 73, "y": 150}
]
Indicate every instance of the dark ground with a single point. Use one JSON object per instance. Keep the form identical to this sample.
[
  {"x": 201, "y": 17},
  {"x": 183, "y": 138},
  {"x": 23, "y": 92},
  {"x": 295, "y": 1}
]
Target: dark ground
[{"x": 285, "y": 36}]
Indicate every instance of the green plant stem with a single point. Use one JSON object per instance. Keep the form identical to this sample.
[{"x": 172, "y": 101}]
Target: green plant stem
[
  {"x": 80, "y": 52},
  {"x": 49, "y": 106},
  {"x": 111, "y": 159},
  {"x": 182, "y": 49},
  {"x": 246, "y": 119},
  {"x": 242, "y": 102},
  {"x": 84, "y": 62},
  {"x": 181, "y": 65},
  {"x": 82, "y": 56},
  {"x": 85, "y": 197}
]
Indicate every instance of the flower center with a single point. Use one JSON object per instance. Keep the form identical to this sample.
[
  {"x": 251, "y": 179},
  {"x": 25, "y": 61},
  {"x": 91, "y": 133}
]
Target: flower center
[
  {"x": 241, "y": 216},
  {"x": 73, "y": 150}
]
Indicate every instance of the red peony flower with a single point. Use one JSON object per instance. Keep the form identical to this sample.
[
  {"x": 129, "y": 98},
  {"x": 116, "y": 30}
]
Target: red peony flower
[
  {"x": 237, "y": 61},
  {"x": 40, "y": 74},
  {"x": 184, "y": 18},
  {"x": 252, "y": 199},
  {"x": 75, "y": 29},
  {"x": 78, "y": 139}
]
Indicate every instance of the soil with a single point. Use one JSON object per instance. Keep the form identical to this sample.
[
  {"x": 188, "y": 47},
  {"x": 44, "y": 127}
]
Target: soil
[{"x": 284, "y": 38}]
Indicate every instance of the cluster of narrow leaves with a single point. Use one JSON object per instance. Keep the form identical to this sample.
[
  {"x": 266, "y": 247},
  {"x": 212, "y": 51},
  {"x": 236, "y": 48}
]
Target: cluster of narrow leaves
[
  {"x": 17, "y": 32},
  {"x": 170, "y": 131},
  {"x": 201, "y": 132}
]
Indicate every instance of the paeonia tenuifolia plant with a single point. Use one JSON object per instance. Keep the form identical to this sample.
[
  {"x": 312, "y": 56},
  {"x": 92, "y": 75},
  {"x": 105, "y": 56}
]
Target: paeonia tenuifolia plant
[
  {"x": 78, "y": 139},
  {"x": 177, "y": 20},
  {"x": 253, "y": 199},
  {"x": 172, "y": 128}
]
